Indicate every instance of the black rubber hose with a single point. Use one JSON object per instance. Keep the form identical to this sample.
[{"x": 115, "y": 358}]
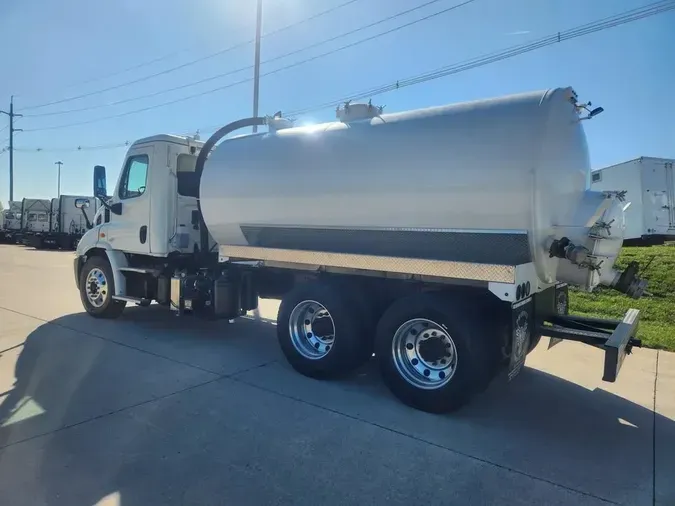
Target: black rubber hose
[{"x": 199, "y": 168}]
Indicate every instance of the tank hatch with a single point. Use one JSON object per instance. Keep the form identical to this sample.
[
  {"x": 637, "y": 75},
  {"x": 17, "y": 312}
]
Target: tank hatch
[{"x": 354, "y": 112}]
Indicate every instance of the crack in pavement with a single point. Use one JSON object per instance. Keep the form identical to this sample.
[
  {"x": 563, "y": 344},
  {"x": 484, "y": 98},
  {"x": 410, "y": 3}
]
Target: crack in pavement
[
  {"x": 421, "y": 440},
  {"x": 135, "y": 405},
  {"x": 113, "y": 341}
]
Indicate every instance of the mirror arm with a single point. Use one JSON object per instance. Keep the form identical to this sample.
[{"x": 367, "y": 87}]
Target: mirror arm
[
  {"x": 89, "y": 224},
  {"x": 104, "y": 203}
]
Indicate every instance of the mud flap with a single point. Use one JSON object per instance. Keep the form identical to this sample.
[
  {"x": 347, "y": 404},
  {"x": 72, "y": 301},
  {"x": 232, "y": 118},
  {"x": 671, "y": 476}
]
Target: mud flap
[
  {"x": 562, "y": 307},
  {"x": 522, "y": 325}
]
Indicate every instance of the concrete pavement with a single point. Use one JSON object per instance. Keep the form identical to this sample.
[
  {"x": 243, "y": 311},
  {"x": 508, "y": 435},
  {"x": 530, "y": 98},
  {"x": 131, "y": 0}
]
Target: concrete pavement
[{"x": 152, "y": 409}]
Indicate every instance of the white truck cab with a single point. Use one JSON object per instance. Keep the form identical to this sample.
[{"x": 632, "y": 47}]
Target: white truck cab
[{"x": 150, "y": 210}]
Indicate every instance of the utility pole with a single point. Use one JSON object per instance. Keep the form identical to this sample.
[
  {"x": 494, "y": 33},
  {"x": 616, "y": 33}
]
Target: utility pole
[
  {"x": 11, "y": 115},
  {"x": 256, "y": 71},
  {"x": 58, "y": 191}
]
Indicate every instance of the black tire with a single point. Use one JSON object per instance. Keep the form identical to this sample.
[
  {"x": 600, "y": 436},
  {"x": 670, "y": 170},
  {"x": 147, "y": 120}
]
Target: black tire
[
  {"x": 363, "y": 300},
  {"x": 110, "y": 308},
  {"x": 348, "y": 350},
  {"x": 477, "y": 350}
]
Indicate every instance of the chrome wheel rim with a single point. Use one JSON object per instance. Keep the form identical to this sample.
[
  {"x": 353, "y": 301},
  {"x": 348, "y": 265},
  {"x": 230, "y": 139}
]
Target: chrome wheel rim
[
  {"x": 96, "y": 287},
  {"x": 312, "y": 330},
  {"x": 424, "y": 353}
]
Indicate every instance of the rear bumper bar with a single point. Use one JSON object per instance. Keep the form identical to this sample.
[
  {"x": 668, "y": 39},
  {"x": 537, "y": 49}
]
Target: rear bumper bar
[{"x": 615, "y": 337}]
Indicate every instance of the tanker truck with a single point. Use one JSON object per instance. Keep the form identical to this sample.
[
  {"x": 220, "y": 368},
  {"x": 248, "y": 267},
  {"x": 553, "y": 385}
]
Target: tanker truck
[{"x": 441, "y": 241}]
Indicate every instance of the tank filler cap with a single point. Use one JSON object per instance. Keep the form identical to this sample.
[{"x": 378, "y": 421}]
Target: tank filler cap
[
  {"x": 277, "y": 122},
  {"x": 354, "y": 112}
]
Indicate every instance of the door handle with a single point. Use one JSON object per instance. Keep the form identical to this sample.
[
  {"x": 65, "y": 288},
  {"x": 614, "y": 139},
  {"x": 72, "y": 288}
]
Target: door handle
[{"x": 143, "y": 234}]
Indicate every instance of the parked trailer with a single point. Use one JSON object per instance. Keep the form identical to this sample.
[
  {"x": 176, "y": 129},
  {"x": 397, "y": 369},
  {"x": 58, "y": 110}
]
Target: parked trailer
[
  {"x": 10, "y": 232},
  {"x": 69, "y": 218},
  {"x": 442, "y": 240},
  {"x": 650, "y": 189},
  {"x": 34, "y": 221}
]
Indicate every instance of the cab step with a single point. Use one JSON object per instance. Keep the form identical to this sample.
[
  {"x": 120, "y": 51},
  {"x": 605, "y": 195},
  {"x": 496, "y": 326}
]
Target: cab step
[
  {"x": 136, "y": 300},
  {"x": 141, "y": 270}
]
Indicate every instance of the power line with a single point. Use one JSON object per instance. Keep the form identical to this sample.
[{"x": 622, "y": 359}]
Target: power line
[
  {"x": 192, "y": 62},
  {"x": 269, "y": 60},
  {"x": 246, "y": 80},
  {"x": 99, "y": 147},
  {"x": 486, "y": 59},
  {"x": 113, "y": 74},
  {"x": 586, "y": 29}
]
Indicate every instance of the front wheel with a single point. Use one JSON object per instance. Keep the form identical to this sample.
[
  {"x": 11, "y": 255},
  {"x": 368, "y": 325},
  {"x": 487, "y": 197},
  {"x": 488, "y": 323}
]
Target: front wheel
[
  {"x": 434, "y": 352},
  {"x": 321, "y": 331},
  {"x": 97, "y": 288}
]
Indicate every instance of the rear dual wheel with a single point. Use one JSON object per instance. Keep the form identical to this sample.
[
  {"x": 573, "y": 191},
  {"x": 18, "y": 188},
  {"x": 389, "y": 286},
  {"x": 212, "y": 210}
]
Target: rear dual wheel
[
  {"x": 435, "y": 351},
  {"x": 323, "y": 330}
]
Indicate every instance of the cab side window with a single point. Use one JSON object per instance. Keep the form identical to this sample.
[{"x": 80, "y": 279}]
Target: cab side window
[{"x": 134, "y": 177}]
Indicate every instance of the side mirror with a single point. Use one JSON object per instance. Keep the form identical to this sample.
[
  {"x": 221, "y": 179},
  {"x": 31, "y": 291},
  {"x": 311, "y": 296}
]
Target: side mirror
[
  {"x": 100, "y": 189},
  {"x": 81, "y": 203}
]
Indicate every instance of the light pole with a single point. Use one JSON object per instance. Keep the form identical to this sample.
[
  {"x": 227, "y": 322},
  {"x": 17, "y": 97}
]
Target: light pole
[
  {"x": 256, "y": 71},
  {"x": 59, "y": 163}
]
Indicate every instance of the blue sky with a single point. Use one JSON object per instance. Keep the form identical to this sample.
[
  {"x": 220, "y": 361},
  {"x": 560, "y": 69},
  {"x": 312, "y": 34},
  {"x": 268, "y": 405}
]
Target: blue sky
[{"x": 50, "y": 49}]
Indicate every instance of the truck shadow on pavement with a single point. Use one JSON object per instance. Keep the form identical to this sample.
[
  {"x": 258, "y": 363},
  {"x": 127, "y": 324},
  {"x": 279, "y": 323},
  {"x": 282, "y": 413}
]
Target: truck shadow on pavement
[{"x": 141, "y": 408}]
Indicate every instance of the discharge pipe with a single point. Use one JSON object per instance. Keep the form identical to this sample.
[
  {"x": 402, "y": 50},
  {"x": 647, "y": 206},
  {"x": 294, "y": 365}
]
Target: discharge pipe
[{"x": 199, "y": 168}]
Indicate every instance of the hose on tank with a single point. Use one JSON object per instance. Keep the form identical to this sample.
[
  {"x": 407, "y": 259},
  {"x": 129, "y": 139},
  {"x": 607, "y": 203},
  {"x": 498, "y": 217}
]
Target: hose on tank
[{"x": 199, "y": 168}]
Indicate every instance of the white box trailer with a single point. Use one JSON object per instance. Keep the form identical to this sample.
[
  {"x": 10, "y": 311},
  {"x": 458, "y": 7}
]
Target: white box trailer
[
  {"x": 649, "y": 184},
  {"x": 34, "y": 220},
  {"x": 70, "y": 217},
  {"x": 10, "y": 232}
]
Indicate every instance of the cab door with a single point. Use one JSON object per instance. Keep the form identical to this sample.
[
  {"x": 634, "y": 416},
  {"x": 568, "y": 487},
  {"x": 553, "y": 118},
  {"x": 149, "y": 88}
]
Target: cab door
[{"x": 129, "y": 231}]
